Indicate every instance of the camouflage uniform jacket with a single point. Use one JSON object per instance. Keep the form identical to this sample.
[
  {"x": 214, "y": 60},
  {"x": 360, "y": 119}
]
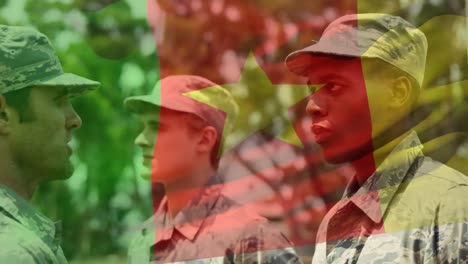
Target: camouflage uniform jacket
[
  {"x": 412, "y": 210},
  {"x": 211, "y": 229},
  {"x": 27, "y": 236}
]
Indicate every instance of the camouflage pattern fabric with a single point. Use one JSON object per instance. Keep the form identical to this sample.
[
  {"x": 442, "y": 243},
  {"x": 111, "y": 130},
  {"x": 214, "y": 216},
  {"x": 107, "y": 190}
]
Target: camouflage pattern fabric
[
  {"x": 27, "y": 58},
  {"x": 211, "y": 229},
  {"x": 412, "y": 210},
  {"x": 27, "y": 236},
  {"x": 381, "y": 36}
]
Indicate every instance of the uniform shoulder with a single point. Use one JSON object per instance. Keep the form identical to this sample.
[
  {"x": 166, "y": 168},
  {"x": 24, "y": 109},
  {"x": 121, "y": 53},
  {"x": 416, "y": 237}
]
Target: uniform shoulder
[
  {"x": 453, "y": 207},
  {"x": 252, "y": 227},
  {"x": 243, "y": 214},
  {"x": 19, "y": 252},
  {"x": 448, "y": 187},
  {"x": 20, "y": 245},
  {"x": 438, "y": 173}
]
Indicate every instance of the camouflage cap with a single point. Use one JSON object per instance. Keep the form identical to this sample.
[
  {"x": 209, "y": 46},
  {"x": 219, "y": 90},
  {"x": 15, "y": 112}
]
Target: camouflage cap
[
  {"x": 27, "y": 58},
  {"x": 381, "y": 36},
  {"x": 171, "y": 93}
]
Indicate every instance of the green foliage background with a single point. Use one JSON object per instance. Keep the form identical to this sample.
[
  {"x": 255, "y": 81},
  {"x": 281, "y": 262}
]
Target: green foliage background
[{"x": 111, "y": 44}]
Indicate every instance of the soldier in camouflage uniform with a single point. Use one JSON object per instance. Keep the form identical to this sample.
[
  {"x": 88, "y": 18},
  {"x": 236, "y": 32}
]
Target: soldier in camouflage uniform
[
  {"x": 195, "y": 222},
  {"x": 36, "y": 121},
  {"x": 401, "y": 206}
]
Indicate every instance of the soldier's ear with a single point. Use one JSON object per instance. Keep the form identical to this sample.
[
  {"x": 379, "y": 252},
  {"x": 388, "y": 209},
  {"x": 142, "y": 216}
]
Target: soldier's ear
[
  {"x": 208, "y": 139},
  {"x": 4, "y": 117},
  {"x": 401, "y": 92}
]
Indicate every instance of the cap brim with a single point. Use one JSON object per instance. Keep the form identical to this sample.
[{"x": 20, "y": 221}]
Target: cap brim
[
  {"x": 142, "y": 103},
  {"x": 300, "y": 61},
  {"x": 76, "y": 85}
]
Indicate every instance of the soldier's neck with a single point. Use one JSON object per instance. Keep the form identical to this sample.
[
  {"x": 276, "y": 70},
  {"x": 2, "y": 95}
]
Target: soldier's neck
[
  {"x": 16, "y": 178},
  {"x": 366, "y": 166},
  {"x": 181, "y": 192}
]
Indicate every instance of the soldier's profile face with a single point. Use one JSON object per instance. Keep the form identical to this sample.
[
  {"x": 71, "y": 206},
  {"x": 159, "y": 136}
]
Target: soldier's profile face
[
  {"x": 340, "y": 113},
  {"x": 41, "y": 146},
  {"x": 168, "y": 146}
]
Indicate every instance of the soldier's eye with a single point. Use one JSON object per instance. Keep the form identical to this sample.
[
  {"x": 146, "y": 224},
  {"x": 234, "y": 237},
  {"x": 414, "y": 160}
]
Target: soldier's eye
[
  {"x": 312, "y": 87},
  {"x": 60, "y": 100},
  {"x": 154, "y": 125},
  {"x": 333, "y": 87}
]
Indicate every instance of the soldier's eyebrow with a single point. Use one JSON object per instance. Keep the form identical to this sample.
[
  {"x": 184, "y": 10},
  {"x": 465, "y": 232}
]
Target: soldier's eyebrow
[
  {"x": 315, "y": 84},
  {"x": 329, "y": 77},
  {"x": 155, "y": 123}
]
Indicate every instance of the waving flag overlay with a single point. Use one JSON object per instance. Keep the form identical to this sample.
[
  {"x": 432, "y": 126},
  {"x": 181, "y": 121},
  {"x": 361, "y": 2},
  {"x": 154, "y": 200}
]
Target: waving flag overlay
[{"x": 271, "y": 162}]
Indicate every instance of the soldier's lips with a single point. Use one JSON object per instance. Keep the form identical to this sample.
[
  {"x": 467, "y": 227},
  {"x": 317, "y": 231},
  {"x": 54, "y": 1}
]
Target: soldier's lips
[
  {"x": 69, "y": 149},
  {"x": 322, "y": 132},
  {"x": 147, "y": 161}
]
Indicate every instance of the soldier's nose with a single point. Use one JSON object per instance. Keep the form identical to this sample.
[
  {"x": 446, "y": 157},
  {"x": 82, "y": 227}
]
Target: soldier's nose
[
  {"x": 314, "y": 109},
  {"x": 74, "y": 120},
  {"x": 142, "y": 141}
]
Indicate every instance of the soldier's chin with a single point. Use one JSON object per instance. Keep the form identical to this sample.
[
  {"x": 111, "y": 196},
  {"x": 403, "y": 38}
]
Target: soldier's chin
[
  {"x": 145, "y": 173},
  {"x": 333, "y": 155},
  {"x": 60, "y": 173},
  {"x": 339, "y": 156},
  {"x": 336, "y": 158}
]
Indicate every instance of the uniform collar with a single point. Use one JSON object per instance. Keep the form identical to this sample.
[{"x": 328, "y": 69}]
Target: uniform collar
[
  {"x": 191, "y": 218},
  {"x": 374, "y": 196},
  {"x": 23, "y": 212}
]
